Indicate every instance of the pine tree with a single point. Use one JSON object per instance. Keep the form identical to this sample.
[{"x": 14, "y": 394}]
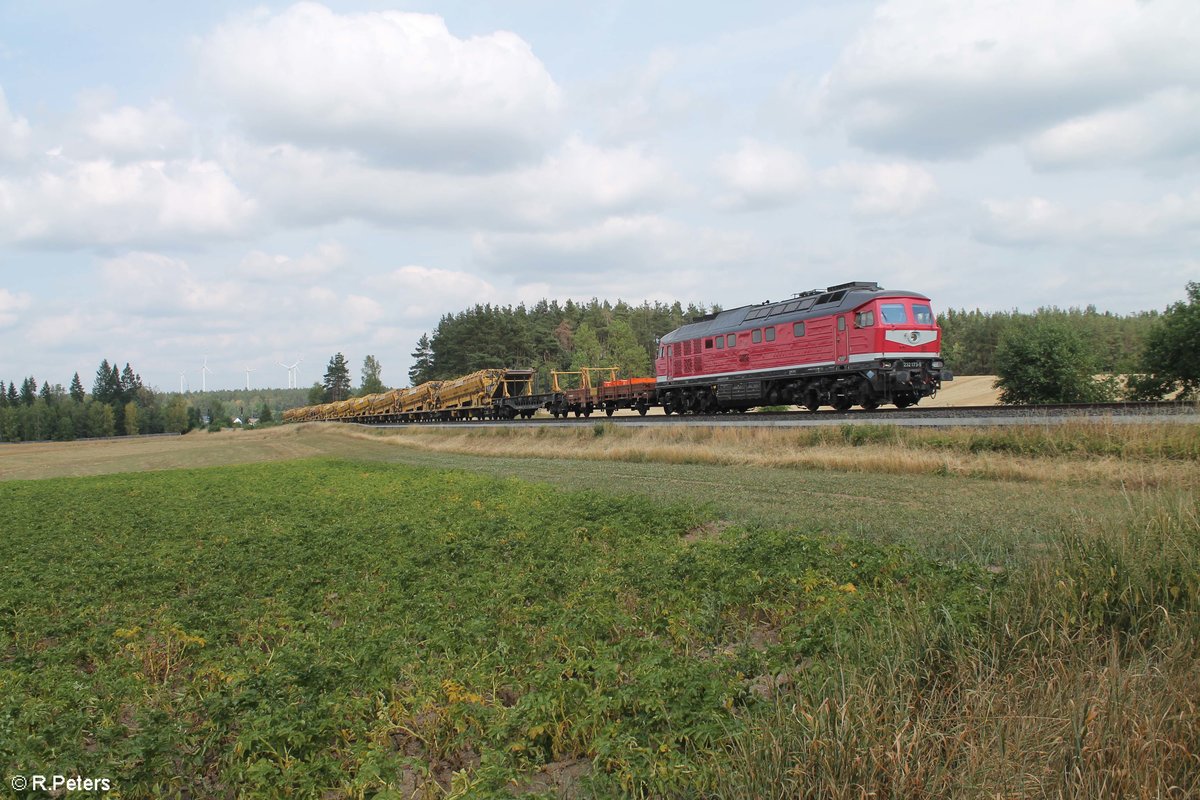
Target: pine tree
[
  {"x": 13, "y": 397},
  {"x": 129, "y": 383},
  {"x": 77, "y": 393},
  {"x": 102, "y": 388},
  {"x": 337, "y": 379},
  {"x": 422, "y": 367},
  {"x": 28, "y": 391}
]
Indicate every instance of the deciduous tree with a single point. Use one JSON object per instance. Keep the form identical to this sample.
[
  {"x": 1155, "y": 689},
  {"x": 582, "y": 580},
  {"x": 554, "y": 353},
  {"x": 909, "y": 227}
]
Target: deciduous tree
[
  {"x": 371, "y": 382},
  {"x": 1045, "y": 361},
  {"x": 1171, "y": 359}
]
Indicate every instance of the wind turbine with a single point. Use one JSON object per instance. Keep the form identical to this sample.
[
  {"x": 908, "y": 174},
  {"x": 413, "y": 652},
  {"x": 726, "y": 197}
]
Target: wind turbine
[
  {"x": 293, "y": 373},
  {"x": 181, "y": 376},
  {"x": 248, "y": 371},
  {"x": 203, "y": 371}
]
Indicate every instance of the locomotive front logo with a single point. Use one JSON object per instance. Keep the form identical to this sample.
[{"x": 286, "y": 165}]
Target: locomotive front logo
[{"x": 913, "y": 336}]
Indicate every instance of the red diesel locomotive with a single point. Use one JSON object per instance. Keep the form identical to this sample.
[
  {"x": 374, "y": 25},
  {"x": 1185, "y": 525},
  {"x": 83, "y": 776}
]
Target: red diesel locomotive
[{"x": 852, "y": 344}]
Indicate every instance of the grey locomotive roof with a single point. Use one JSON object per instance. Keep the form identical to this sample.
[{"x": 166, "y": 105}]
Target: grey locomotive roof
[{"x": 806, "y": 305}]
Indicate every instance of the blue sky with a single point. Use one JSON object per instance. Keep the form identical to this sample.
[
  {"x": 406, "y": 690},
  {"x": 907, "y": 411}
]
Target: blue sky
[{"x": 261, "y": 183}]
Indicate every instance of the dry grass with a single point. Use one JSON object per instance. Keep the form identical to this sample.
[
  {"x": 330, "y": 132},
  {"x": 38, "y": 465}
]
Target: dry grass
[
  {"x": 1082, "y": 684},
  {"x": 1132, "y": 456},
  {"x": 35, "y": 460}
]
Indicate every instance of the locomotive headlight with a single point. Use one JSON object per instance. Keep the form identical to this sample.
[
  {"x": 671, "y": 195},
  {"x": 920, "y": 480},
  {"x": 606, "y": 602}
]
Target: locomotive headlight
[
  {"x": 885, "y": 365},
  {"x": 937, "y": 364}
]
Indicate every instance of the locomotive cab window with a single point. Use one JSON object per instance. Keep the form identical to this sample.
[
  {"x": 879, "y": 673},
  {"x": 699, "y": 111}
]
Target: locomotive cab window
[
  {"x": 893, "y": 313},
  {"x": 922, "y": 315},
  {"x": 864, "y": 319},
  {"x": 756, "y": 335},
  {"x": 798, "y": 330},
  {"x": 769, "y": 333}
]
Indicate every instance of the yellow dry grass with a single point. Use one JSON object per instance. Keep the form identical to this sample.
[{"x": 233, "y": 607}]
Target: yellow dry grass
[
  {"x": 33, "y": 460},
  {"x": 795, "y": 449},
  {"x": 1148, "y": 453},
  {"x": 965, "y": 390}
]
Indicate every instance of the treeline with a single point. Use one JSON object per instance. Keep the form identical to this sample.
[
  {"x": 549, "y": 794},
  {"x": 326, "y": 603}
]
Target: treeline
[
  {"x": 548, "y": 336},
  {"x": 120, "y": 404},
  {"x": 1117, "y": 342}
]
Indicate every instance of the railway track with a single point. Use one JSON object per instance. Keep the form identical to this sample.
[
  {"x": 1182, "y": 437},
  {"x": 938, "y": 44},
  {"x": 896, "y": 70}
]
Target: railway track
[{"x": 927, "y": 417}]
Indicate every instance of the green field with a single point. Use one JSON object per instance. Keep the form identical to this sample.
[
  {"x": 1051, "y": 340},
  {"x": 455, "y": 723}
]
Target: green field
[{"x": 346, "y": 628}]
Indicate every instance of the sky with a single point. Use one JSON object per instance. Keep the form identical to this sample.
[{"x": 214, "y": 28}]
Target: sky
[{"x": 256, "y": 184}]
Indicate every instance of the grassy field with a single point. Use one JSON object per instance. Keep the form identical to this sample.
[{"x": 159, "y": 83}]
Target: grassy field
[{"x": 402, "y": 615}]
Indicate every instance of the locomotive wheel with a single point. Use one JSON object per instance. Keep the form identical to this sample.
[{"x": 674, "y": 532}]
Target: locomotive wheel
[
  {"x": 903, "y": 400},
  {"x": 870, "y": 404},
  {"x": 608, "y": 412},
  {"x": 842, "y": 403},
  {"x": 642, "y": 410}
]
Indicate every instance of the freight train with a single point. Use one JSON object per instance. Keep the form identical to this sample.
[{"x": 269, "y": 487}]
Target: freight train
[{"x": 847, "y": 345}]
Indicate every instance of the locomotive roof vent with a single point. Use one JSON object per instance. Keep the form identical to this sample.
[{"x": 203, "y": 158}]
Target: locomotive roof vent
[{"x": 868, "y": 285}]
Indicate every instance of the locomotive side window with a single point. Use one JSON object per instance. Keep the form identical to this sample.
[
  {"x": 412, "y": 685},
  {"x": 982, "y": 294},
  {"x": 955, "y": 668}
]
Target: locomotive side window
[
  {"x": 756, "y": 335},
  {"x": 769, "y": 333},
  {"x": 731, "y": 340},
  {"x": 708, "y": 344},
  {"x": 922, "y": 315},
  {"x": 842, "y": 323},
  {"x": 720, "y": 342},
  {"x": 893, "y": 313},
  {"x": 798, "y": 330},
  {"x": 864, "y": 319}
]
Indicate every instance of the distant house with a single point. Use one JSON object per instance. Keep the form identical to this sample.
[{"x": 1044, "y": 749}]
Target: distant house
[{"x": 237, "y": 420}]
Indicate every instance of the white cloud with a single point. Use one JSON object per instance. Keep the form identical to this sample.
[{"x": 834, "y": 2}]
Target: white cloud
[
  {"x": 131, "y": 132},
  {"x": 303, "y": 186},
  {"x": 10, "y": 304},
  {"x": 944, "y": 77},
  {"x": 263, "y": 266},
  {"x": 1036, "y": 220},
  {"x": 888, "y": 188},
  {"x": 394, "y": 85},
  {"x": 1164, "y": 126},
  {"x": 66, "y": 203},
  {"x": 14, "y": 132},
  {"x": 626, "y": 249},
  {"x": 759, "y": 175},
  {"x": 423, "y": 292}
]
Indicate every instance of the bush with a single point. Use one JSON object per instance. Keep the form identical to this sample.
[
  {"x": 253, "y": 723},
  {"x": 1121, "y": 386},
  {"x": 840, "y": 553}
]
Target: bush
[{"x": 1045, "y": 361}]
